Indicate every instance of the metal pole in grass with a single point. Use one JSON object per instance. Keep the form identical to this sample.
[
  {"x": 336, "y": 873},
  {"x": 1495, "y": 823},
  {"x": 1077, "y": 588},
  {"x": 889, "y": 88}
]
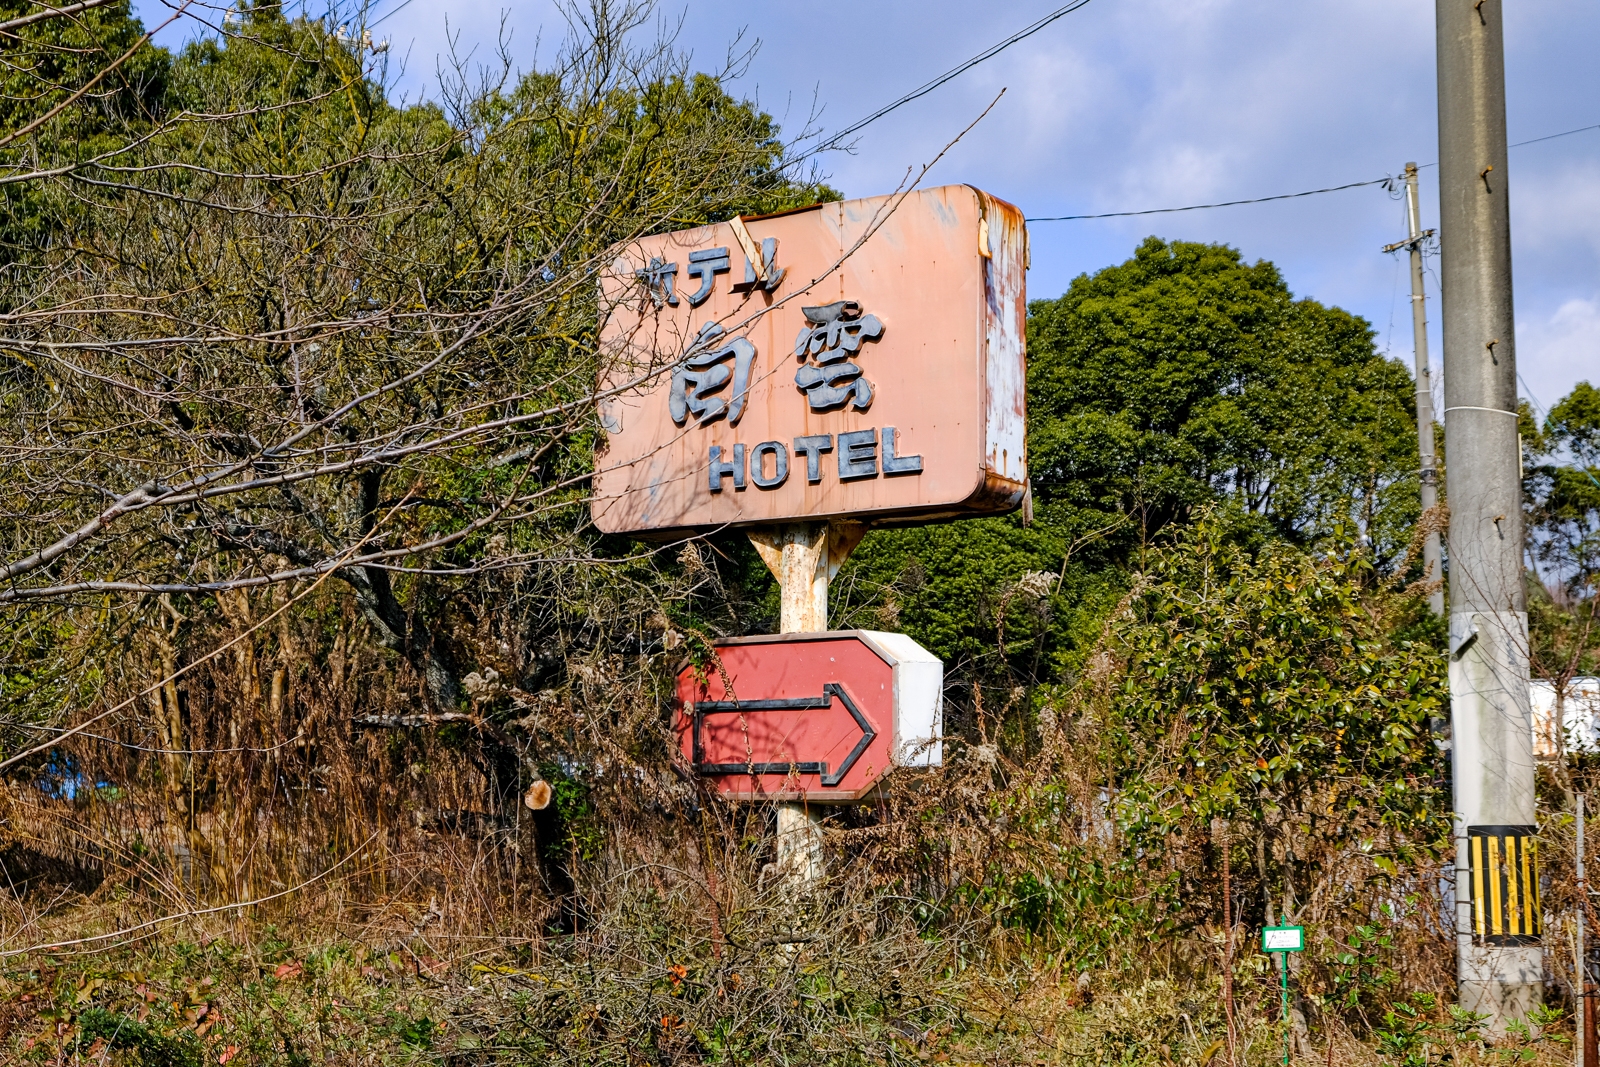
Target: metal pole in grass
[
  {"x": 1284, "y": 940},
  {"x": 1283, "y": 976},
  {"x": 1582, "y": 1053}
]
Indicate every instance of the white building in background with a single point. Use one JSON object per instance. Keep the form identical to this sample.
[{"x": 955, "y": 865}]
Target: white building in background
[{"x": 1574, "y": 726}]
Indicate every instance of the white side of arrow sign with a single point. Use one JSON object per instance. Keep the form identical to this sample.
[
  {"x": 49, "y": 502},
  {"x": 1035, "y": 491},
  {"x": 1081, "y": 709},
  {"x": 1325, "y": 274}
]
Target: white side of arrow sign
[{"x": 918, "y": 699}]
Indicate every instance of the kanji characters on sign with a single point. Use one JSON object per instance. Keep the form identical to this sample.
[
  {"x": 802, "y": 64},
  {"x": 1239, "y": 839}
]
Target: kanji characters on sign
[
  {"x": 704, "y": 371},
  {"x": 833, "y": 334},
  {"x": 878, "y": 373}
]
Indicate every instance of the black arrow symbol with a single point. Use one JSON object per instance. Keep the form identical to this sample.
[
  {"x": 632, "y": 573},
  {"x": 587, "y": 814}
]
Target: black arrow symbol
[{"x": 830, "y": 692}]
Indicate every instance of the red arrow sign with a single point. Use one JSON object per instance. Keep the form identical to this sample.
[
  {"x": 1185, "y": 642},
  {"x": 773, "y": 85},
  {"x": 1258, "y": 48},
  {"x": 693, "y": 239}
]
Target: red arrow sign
[
  {"x": 804, "y": 715},
  {"x": 830, "y": 692}
]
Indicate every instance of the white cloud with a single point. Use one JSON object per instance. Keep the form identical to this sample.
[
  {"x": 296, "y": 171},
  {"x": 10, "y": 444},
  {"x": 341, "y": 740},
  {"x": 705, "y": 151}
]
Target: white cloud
[
  {"x": 1134, "y": 104},
  {"x": 1557, "y": 351}
]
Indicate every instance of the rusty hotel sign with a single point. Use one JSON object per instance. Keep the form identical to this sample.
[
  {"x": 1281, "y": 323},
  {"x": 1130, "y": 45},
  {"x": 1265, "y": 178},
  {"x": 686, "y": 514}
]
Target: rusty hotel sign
[{"x": 858, "y": 360}]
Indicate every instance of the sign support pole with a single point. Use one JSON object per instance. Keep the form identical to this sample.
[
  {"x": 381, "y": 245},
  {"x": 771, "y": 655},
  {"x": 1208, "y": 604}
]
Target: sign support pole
[
  {"x": 803, "y": 557},
  {"x": 1283, "y": 973}
]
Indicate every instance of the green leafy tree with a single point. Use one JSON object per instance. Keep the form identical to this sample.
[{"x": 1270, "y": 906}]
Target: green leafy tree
[
  {"x": 1004, "y": 605},
  {"x": 1562, "y": 491},
  {"x": 75, "y": 91},
  {"x": 1265, "y": 687},
  {"x": 1181, "y": 378},
  {"x": 1565, "y": 490},
  {"x": 1185, "y": 376}
]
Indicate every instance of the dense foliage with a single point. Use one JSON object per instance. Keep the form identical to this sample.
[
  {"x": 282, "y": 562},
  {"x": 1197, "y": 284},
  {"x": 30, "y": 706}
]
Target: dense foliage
[
  {"x": 1268, "y": 689},
  {"x": 75, "y": 96},
  {"x": 1564, "y": 492},
  {"x": 1183, "y": 378},
  {"x": 1268, "y": 686},
  {"x": 1562, "y": 484},
  {"x": 303, "y": 617},
  {"x": 1186, "y": 375}
]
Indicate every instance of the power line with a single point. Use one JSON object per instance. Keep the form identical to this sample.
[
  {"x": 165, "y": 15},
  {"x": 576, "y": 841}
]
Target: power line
[
  {"x": 390, "y": 14},
  {"x": 1281, "y": 196},
  {"x": 953, "y": 72},
  {"x": 1553, "y": 136},
  {"x": 920, "y": 91},
  {"x": 1535, "y": 140},
  {"x": 1203, "y": 207}
]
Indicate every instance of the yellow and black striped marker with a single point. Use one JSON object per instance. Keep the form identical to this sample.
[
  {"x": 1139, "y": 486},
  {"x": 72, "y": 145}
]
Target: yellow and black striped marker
[{"x": 1505, "y": 884}]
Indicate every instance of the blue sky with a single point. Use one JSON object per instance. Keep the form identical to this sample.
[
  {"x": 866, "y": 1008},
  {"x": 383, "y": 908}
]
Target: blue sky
[{"x": 1133, "y": 104}]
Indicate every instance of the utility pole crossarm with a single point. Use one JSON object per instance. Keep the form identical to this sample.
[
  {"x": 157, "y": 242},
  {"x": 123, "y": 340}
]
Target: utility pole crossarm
[{"x": 1409, "y": 242}]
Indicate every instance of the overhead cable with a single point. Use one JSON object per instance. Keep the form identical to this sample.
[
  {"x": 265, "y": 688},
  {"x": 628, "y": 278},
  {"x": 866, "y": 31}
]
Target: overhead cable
[
  {"x": 1202, "y": 207},
  {"x": 1280, "y": 196},
  {"x": 1553, "y": 136},
  {"x": 953, "y": 72},
  {"x": 390, "y": 14}
]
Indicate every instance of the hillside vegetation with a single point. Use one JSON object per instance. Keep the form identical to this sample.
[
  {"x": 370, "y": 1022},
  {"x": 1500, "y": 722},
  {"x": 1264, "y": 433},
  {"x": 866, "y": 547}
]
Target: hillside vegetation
[{"x": 302, "y": 607}]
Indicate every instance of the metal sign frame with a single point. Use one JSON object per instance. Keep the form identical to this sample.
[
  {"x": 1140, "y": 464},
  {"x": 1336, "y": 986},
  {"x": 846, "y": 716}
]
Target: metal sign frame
[
  {"x": 1299, "y": 933},
  {"x": 879, "y": 376}
]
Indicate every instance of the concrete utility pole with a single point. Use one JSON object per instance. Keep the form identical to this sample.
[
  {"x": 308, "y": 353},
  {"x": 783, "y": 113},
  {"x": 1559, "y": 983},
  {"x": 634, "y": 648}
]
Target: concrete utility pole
[
  {"x": 1500, "y": 967},
  {"x": 1432, "y": 564}
]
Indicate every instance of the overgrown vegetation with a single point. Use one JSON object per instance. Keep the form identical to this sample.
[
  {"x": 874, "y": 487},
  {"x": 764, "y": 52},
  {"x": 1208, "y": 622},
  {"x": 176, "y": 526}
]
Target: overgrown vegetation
[{"x": 302, "y": 602}]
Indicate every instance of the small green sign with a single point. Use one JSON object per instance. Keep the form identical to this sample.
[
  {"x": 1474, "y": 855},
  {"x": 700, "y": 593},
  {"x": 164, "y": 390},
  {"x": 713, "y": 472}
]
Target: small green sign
[{"x": 1283, "y": 939}]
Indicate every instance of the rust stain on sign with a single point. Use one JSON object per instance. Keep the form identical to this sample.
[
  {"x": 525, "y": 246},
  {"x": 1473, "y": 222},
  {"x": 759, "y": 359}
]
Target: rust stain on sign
[{"x": 866, "y": 361}]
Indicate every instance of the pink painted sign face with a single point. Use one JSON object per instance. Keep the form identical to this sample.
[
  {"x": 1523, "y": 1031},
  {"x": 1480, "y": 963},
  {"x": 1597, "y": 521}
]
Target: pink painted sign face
[
  {"x": 860, "y": 359},
  {"x": 809, "y": 716}
]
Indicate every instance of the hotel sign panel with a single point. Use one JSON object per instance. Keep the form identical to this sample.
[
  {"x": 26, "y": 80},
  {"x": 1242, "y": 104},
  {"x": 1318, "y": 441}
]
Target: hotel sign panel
[{"x": 861, "y": 359}]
